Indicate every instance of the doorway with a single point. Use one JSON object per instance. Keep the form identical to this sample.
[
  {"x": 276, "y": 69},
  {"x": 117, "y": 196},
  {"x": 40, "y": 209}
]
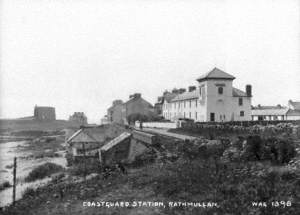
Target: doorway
[{"x": 212, "y": 117}]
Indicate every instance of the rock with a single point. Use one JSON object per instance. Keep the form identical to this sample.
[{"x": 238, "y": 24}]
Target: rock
[{"x": 67, "y": 204}]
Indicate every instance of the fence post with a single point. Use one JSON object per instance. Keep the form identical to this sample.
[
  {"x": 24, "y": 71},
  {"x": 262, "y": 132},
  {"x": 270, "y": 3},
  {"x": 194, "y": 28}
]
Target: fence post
[{"x": 14, "y": 180}]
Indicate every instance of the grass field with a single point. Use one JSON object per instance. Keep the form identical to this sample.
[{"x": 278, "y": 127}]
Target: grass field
[{"x": 17, "y": 125}]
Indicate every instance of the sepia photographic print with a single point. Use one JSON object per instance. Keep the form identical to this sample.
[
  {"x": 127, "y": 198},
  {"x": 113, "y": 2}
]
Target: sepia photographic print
[{"x": 145, "y": 107}]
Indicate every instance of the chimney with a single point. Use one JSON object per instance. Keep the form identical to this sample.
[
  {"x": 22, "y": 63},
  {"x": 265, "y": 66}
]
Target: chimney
[
  {"x": 181, "y": 90},
  {"x": 175, "y": 91},
  {"x": 117, "y": 102},
  {"x": 137, "y": 95},
  {"x": 279, "y": 106},
  {"x": 249, "y": 90},
  {"x": 192, "y": 88}
]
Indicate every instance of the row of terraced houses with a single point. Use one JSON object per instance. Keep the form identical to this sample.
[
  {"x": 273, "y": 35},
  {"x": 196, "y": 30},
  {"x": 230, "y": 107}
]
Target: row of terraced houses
[{"x": 214, "y": 99}]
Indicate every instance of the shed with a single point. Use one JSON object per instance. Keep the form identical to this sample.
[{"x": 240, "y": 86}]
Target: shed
[
  {"x": 88, "y": 139},
  {"x": 116, "y": 150}
]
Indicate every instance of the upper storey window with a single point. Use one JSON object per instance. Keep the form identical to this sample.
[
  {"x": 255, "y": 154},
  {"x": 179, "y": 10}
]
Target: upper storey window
[
  {"x": 240, "y": 101},
  {"x": 220, "y": 90}
]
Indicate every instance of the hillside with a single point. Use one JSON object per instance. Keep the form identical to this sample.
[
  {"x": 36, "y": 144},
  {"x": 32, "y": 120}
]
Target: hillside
[
  {"x": 250, "y": 176},
  {"x": 28, "y": 124}
]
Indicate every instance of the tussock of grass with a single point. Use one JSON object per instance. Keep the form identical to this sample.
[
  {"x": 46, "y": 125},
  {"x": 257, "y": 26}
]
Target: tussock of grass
[
  {"x": 81, "y": 168},
  {"x": 43, "y": 171}
]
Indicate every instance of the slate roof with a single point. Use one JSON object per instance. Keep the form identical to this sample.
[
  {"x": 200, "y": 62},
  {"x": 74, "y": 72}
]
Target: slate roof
[
  {"x": 133, "y": 99},
  {"x": 195, "y": 94},
  {"x": 44, "y": 107},
  {"x": 115, "y": 141},
  {"x": 269, "y": 110},
  {"x": 293, "y": 112},
  {"x": 91, "y": 134},
  {"x": 186, "y": 95},
  {"x": 169, "y": 96},
  {"x": 215, "y": 74},
  {"x": 296, "y": 105},
  {"x": 238, "y": 93}
]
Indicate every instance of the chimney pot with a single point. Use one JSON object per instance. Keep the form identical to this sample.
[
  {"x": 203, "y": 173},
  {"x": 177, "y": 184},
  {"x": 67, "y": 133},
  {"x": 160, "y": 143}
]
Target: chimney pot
[{"x": 192, "y": 88}]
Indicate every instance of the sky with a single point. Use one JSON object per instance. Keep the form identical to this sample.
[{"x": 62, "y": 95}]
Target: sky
[{"x": 80, "y": 55}]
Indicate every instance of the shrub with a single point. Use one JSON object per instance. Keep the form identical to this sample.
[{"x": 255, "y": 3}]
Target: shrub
[
  {"x": 5, "y": 185},
  {"x": 137, "y": 117},
  {"x": 29, "y": 192},
  {"x": 85, "y": 168},
  {"x": 253, "y": 148},
  {"x": 279, "y": 151},
  {"x": 43, "y": 171},
  {"x": 233, "y": 187},
  {"x": 145, "y": 158}
]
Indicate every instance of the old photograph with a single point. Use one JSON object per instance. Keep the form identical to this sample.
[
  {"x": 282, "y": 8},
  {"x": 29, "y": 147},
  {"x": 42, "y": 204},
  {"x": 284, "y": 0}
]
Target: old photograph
[{"x": 131, "y": 107}]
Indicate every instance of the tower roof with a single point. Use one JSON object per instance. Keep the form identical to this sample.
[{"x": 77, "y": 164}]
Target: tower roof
[{"x": 215, "y": 74}]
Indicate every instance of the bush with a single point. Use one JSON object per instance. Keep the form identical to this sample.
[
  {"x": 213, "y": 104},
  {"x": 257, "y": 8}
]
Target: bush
[
  {"x": 145, "y": 158},
  {"x": 279, "y": 151},
  {"x": 29, "y": 192},
  {"x": 137, "y": 117},
  {"x": 253, "y": 149},
  {"x": 82, "y": 168},
  {"x": 233, "y": 187},
  {"x": 43, "y": 171},
  {"x": 5, "y": 185}
]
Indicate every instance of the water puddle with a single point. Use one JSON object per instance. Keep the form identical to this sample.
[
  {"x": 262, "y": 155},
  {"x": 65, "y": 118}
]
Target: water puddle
[{"x": 8, "y": 151}]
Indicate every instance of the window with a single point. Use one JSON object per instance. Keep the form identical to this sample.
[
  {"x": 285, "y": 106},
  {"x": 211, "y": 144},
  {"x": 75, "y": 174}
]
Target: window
[
  {"x": 242, "y": 113},
  {"x": 240, "y": 101},
  {"x": 196, "y": 102},
  {"x": 190, "y": 103},
  {"x": 190, "y": 115},
  {"x": 183, "y": 114},
  {"x": 184, "y": 103},
  {"x": 220, "y": 90},
  {"x": 196, "y": 113}
]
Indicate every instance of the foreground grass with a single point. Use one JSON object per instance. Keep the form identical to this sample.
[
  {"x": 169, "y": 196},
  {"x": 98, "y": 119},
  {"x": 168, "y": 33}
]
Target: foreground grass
[
  {"x": 232, "y": 186},
  {"x": 203, "y": 177},
  {"x": 43, "y": 171}
]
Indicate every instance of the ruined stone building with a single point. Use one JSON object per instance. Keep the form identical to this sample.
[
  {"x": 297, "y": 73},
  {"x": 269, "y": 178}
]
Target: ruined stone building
[{"x": 44, "y": 113}]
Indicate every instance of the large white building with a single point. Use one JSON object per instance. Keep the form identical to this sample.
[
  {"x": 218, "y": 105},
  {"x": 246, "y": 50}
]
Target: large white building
[{"x": 213, "y": 100}]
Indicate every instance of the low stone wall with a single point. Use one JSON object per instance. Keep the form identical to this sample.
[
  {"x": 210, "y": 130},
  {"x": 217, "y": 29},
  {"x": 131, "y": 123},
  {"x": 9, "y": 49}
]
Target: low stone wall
[{"x": 167, "y": 125}]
